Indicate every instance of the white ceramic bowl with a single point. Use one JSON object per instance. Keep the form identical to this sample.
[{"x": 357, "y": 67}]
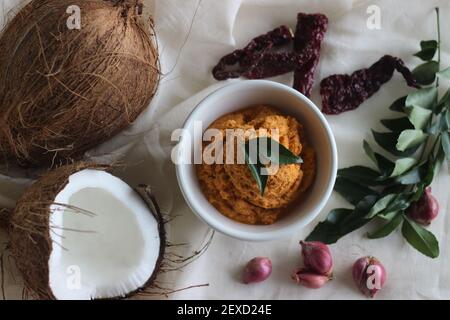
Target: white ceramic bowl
[{"x": 289, "y": 101}]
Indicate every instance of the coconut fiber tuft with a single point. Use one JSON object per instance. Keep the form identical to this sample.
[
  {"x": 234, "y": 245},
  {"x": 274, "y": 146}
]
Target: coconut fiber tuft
[
  {"x": 64, "y": 90},
  {"x": 29, "y": 227}
]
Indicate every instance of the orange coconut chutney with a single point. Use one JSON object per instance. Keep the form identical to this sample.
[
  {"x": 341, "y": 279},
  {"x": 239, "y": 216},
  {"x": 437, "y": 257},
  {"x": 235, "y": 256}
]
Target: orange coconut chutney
[{"x": 231, "y": 188}]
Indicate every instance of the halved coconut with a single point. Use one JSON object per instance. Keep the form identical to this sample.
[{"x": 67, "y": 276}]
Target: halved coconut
[{"x": 82, "y": 233}]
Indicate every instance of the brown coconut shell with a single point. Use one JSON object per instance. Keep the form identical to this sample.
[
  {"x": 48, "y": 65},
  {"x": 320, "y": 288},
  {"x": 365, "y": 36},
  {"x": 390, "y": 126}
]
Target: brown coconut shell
[
  {"x": 29, "y": 229},
  {"x": 64, "y": 91}
]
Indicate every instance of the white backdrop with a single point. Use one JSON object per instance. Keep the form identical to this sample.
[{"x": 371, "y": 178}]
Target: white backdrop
[{"x": 192, "y": 38}]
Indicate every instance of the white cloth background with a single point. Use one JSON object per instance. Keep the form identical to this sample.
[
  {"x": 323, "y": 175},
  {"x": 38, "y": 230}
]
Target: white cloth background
[{"x": 192, "y": 38}]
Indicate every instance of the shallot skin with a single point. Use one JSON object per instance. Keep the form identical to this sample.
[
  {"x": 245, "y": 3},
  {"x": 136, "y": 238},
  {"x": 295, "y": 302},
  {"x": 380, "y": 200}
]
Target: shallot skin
[
  {"x": 425, "y": 210},
  {"x": 369, "y": 275},
  {"x": 317, "y": 257},
  {"x": 309, "y": 279},
  {"x": 257, "y": 270}
]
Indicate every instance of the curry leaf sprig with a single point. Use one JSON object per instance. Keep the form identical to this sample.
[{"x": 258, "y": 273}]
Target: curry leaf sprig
[
  {"x": 263, "y": 155},
  {"x": 418, "y": 141}
]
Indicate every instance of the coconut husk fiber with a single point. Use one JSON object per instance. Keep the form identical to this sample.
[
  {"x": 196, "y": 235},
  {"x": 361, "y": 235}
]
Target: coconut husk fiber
[
  {"x": 29, "y": 228},
  {"x": 64, "y": 91},
  {"x": 30, "y": 231},
  {"x": 31, "y": 243},
  {"x": 5, "y": 216}
]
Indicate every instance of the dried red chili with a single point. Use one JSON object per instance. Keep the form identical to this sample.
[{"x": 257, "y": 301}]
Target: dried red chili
[
  {"x": 274, "y": 64},
  {"x": 309, "y": 34},
  {"x": 241, "y": 61},
  {"x": 258, "y": 59},
  {"x": 343, "y": 92}
]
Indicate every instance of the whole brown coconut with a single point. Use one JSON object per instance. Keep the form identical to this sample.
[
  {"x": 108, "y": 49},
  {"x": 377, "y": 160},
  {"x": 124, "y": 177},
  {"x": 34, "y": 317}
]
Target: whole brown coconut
[
  {"x": 30, "y": 228},
  {"x": 65, "y": 90}
]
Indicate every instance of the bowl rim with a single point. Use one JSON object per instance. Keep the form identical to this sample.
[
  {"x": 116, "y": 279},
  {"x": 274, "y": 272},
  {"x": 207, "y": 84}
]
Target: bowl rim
[{"x": 249, "y": 235}]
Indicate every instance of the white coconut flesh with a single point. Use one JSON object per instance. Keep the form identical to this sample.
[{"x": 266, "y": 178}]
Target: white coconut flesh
[{"x": 109, "y": 253}]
